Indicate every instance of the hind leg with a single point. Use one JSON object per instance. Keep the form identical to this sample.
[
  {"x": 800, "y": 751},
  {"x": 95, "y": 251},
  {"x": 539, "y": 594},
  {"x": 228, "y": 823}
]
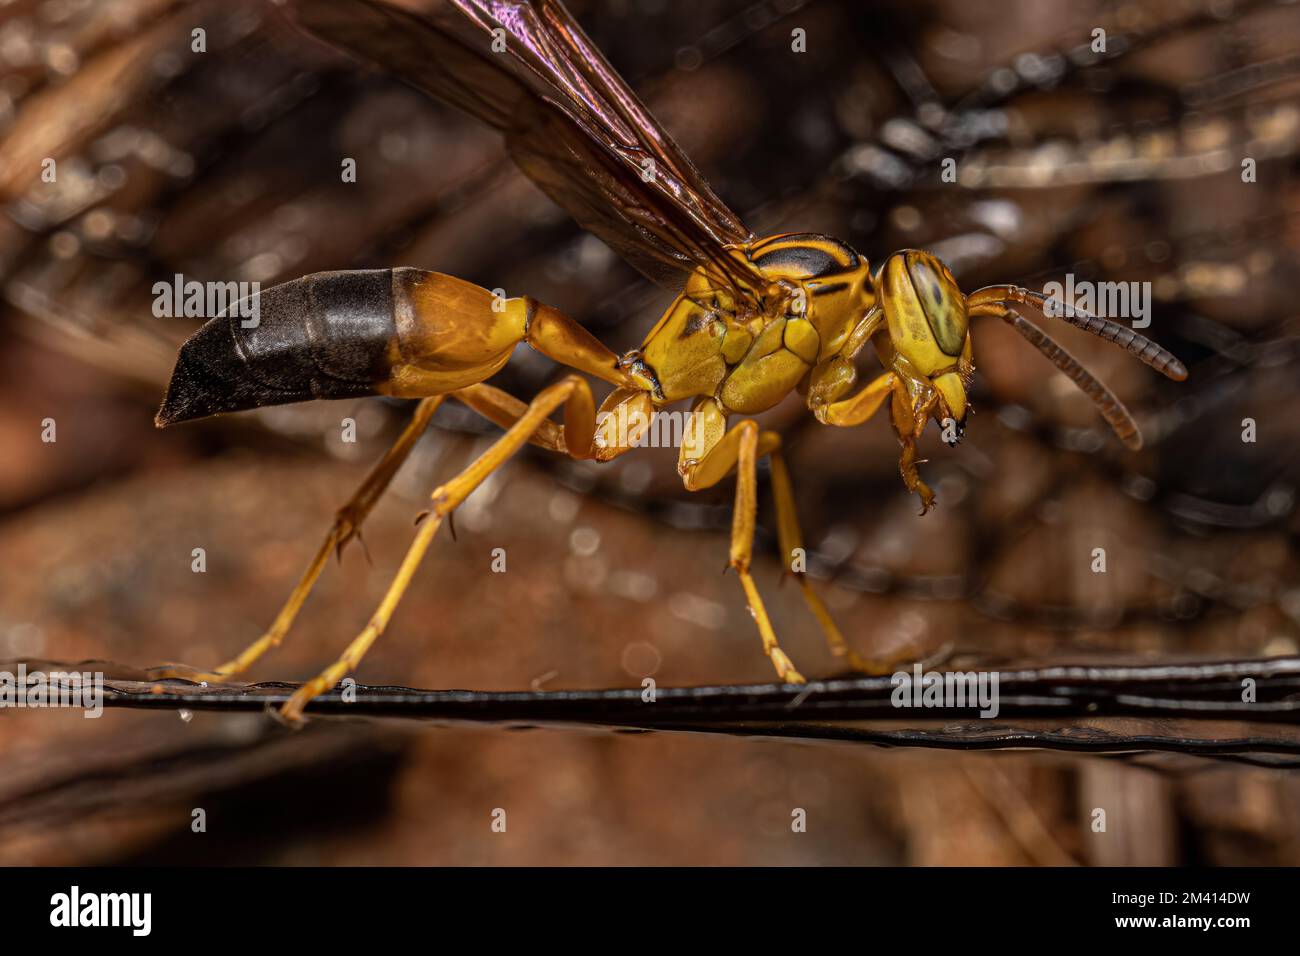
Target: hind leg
[
  {"x": 580, "y": 438},
  {"x": 458, "y": 318},
  {"x": 346, "y": 526}
]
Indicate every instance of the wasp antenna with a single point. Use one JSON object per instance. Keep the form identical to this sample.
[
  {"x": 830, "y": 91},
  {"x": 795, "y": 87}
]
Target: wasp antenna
[
  {"x": 1148, "y": 352},
  {"x": 1111, "y": 408}
]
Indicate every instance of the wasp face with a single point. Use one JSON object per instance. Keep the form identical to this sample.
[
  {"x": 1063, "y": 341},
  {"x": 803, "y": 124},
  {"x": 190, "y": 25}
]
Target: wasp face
[{"x": 928, "y": 326}]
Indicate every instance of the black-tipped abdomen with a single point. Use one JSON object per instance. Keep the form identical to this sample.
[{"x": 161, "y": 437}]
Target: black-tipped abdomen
[{"x": 327, "y": 335}]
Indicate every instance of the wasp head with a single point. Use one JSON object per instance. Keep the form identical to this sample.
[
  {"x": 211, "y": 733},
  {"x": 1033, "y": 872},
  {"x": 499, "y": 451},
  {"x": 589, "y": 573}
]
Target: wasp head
[{"x": 929, "y": 327}]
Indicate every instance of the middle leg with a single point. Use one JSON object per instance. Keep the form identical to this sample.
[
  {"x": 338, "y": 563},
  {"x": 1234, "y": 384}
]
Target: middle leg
[
  {"x": 719, "y": 452},
  {"x": 791, "y": 538}
]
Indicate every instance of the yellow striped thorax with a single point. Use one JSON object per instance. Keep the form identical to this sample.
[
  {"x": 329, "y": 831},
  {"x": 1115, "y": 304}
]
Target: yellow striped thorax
[{"x": 749, "y": 347}]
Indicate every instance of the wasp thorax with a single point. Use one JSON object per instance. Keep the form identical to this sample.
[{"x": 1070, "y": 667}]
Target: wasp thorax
[{"x": 925, "y": 308}]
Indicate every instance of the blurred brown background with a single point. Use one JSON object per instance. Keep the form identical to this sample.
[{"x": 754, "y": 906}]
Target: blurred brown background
[{"x": 224, "y": 165}]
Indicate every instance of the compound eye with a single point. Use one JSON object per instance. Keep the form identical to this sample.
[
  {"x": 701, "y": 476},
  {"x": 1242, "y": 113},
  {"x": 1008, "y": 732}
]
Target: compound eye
[
  {"x": 925, "y": 309},
  {"x": 940, "y": 300}
]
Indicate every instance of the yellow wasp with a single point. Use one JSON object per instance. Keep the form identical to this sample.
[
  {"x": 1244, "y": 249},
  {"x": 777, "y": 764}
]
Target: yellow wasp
[{"x": 754, "y": 319}]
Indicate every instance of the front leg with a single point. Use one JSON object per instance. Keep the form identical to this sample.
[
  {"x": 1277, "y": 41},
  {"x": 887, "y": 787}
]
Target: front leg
[
  {"x": 912, "y": 401},
  {"x": 913, "y": 404}
]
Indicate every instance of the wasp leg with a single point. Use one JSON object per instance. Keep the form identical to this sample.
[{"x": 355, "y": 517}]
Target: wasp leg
[
  {"x": 346, "y": 526},
  {"x": 857, "y": 408},
  {"x": 720, "y": 451},
  {"x": 791, "y": 538},
  {"x": 571, "y": 392},
  {"x": 907, "y": 414},
  {"x": 623, "y": 419},
  {"x": 492, "y": 403},
  {"x": 502, "y": 408}
]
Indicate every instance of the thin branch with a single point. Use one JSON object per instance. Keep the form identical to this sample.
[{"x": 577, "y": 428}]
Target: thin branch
[{"x": 827, "y": 710}]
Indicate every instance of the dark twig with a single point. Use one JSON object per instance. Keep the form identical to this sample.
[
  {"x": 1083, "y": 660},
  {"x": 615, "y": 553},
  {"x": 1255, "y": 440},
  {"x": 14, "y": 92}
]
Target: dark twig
[{"x": 1171, "y": 698}]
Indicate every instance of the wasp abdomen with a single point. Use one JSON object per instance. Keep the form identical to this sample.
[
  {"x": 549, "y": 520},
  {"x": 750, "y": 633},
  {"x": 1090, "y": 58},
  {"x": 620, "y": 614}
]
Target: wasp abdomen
[{"x": 327, "y": 335}]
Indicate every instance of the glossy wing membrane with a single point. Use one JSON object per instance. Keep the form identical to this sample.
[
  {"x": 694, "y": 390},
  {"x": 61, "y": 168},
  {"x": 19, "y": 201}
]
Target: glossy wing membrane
[{"x": 570, "y": 122}]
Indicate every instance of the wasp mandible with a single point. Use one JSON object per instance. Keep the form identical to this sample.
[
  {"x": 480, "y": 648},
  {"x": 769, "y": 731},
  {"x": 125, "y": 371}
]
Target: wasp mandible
[{"x": 754, "y": 319}]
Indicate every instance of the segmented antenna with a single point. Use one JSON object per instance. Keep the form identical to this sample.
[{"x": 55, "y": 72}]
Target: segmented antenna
[
  {"x": 1148, "y": 352},
  {"x": 1111, "y": 408}
]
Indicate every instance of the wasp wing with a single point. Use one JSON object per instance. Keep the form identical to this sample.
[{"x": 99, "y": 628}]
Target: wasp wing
[{"x": 571, "y": 123}]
